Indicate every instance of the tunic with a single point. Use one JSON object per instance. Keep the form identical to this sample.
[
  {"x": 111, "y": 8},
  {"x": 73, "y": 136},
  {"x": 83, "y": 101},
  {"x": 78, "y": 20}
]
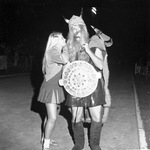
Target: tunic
[{"x": 97, "y": 97}]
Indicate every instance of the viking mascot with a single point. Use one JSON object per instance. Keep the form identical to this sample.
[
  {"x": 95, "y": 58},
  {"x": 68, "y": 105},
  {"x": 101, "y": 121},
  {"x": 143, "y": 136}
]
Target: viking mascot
[{"x": 93, "y": 51}]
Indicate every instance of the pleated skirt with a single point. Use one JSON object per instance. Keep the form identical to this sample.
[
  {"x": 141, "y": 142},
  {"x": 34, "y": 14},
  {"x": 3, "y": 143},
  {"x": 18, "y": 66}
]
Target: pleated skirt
[{"x": 51, "y": 91}]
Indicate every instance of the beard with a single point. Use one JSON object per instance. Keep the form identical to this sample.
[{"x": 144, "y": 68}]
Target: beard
[
  {"x": 77, "y": 44},
  {"x": 79, "y": 40},
  {"x": 76, "y": 51}
]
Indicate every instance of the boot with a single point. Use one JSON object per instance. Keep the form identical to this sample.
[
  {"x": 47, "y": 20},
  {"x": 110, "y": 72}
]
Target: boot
[
  {"x": 78, "y": 132},
  {"x": 95, "y": 131}
]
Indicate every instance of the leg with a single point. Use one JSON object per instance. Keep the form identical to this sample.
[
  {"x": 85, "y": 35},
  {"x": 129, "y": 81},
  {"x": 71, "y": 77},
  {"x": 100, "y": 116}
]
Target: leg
[
  {"x": 43, "y": 128},
  {"x": 50, "y": 122},
  {"x": 87, "y": 117},
  {"x": 77, "y": 113},
  {"x": 77, "y": 127},
  {"x": 51, "y": 119},
  {"x": 96, "y": 125}
]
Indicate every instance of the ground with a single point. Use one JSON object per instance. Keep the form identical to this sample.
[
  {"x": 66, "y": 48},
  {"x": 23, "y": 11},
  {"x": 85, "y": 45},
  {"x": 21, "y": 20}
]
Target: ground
[{"x": 143, "y": 92}]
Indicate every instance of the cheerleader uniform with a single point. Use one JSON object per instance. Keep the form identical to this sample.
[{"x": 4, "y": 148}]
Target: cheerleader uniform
[{"x": 51, "y": 91}]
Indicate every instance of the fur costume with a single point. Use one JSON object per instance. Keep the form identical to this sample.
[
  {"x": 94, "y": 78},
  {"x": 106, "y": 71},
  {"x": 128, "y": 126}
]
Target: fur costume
[{"x": 97, "y": 42}]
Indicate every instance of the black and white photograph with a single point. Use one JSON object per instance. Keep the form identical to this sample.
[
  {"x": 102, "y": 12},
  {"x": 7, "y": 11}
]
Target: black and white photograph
[{"x": 74, "y": 75}]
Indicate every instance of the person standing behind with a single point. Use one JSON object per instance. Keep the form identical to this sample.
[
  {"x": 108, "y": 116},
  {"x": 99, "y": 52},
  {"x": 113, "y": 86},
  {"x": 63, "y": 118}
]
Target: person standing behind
[
  {"x": 51, "y": 93},
  {"x": 103, "y": 41}
]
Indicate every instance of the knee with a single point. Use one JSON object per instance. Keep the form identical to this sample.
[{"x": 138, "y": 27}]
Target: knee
[
  {"x": 51, "y": 120},
  {"x": 97, "y": 118},
  {"x": 77, "y": 115},
  {"x": 76, "y": 119}
]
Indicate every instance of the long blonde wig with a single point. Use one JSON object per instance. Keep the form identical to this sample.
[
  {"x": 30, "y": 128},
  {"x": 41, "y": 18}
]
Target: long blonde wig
[
  {"x": 51, "y": 43},
  {"x": 73, "y": 45}
]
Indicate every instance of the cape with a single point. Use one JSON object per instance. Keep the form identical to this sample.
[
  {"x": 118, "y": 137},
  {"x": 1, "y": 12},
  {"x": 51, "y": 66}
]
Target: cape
[{"x": 99, "y": 43}]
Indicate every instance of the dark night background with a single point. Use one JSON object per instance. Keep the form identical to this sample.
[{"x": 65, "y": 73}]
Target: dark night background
[
  {"x": 25, "y": 25},
  {"x": 24, "y": 28}
]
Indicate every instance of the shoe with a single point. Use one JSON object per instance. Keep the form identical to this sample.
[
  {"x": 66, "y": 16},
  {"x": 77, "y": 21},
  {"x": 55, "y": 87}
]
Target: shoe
[
  {"x": 45, "y": 148},
  {"x": 53, "y": 143},
  {"x": 47, "y": 143}
]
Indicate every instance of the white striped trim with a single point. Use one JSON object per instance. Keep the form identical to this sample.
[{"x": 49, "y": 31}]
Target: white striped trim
[{"x": 142, "y": 137}]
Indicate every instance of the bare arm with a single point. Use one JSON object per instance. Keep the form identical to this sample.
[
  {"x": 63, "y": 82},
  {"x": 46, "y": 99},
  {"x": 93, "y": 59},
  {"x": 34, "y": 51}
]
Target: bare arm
[{"x": 97, "y": 58}]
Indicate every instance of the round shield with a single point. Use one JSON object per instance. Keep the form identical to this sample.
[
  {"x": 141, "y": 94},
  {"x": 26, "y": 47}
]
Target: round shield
[{"x": 80, "y": 78}]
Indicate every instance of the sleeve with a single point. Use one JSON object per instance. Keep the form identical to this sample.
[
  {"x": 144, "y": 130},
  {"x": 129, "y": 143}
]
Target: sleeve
[
  {"x": 56, "y": 56},
  {"x": 65, "y": 54}
]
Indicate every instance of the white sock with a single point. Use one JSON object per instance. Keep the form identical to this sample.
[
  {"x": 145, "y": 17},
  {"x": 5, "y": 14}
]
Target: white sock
[{"x": 46, "y": 143}]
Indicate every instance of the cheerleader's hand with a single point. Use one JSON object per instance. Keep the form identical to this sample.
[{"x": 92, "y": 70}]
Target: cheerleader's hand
[{"x": 64, "y": 66}]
